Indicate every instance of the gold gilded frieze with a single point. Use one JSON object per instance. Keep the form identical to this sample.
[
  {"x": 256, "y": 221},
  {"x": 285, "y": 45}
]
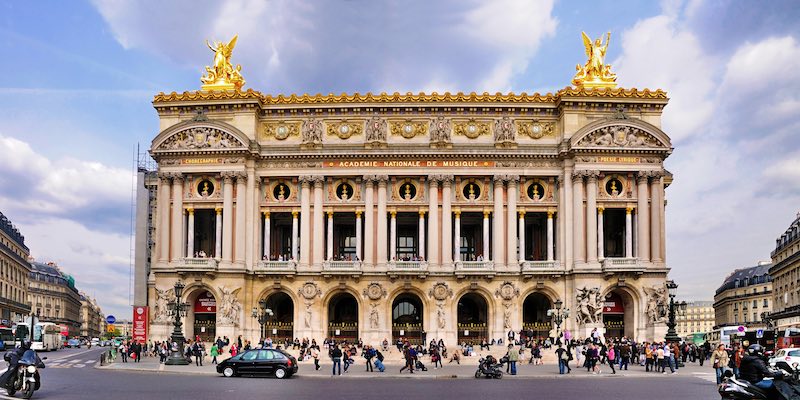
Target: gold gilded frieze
[
  {"x": 471, "y": 128},
  {"x": 408, "y": 128},
  {"x": 345, "y": 129},
  {"x": 280, "y": 130},
  {"x": 536, "y": 129}
]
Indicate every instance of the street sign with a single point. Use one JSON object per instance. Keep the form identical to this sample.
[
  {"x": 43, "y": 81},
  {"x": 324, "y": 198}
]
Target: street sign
[
  {"x": 110, "y": 328},
  {"x": 759, "y": 333},
  {"x": 110, "y": 319}
]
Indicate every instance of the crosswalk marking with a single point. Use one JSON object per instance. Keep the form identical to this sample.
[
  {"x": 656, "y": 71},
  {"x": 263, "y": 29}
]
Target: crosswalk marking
[{"x": 706, "y": 376}]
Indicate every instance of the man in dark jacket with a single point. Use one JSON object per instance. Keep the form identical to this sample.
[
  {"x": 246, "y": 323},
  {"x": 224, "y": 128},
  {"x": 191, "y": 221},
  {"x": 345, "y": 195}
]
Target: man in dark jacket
[{"x": 754, "y": 369}]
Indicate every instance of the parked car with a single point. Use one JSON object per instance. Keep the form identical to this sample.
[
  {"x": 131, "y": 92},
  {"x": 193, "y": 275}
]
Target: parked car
[
  {"x": 74, "y": 343},
  {"x": 260, "y": 362},
  {"x": 789, "y": 355}
]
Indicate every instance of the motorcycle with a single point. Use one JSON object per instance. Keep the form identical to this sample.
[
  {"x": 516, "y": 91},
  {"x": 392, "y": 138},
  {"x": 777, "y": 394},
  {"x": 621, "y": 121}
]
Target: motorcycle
[
  {"x": 487, "y": 368},
  {"x": 785, "y": 381},
  {"x": 26, "y": 378}
]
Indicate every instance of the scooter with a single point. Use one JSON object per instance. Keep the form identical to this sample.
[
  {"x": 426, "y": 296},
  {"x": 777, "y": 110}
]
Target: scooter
[
  {"x": 26, "y": 379},
  {"x": 785, "y": 381},
  {"x": 487, "y": 368}
]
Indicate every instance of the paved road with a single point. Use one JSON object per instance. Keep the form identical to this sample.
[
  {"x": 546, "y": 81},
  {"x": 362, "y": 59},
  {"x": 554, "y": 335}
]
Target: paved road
[{"x": 70, "y": 376}]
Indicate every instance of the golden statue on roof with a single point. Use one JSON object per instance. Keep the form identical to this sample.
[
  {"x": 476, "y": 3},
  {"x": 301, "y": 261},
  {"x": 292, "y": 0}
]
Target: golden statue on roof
[
  {"x": 223, "y": 75},
  {"x": 595, "y": 73}
]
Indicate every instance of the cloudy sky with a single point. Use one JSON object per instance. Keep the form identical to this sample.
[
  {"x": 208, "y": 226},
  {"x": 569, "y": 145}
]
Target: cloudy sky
[{"x": 77, "y": 79}]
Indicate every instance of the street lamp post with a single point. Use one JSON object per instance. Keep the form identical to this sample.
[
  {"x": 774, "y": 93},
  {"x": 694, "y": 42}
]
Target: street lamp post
[
  {"x": 262, "y": 314},
  {"x": 771, "y": 325},
  {"x": 558, "y": 315},
  {"x": 177, "y": 309},
  {"x": 675, "y": 309}
]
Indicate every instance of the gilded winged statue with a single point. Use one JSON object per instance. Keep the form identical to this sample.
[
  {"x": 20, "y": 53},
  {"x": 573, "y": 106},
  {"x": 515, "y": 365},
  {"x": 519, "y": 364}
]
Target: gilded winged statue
[
  {"x": 595, "y": 73},
  {"x": 223, "y": 75}
]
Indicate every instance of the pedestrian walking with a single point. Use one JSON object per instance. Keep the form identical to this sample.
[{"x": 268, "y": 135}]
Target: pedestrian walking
[
  {"x": 214, "y": 353},
  {"x": 336, "y": 356},
  {"x": 612, "y": 357},
  {"x": 123, "y": 351},
  {"x": 719, "y": 360},
  {"x": 315, "y": 356},
  {"x": 409, "y": 357},
  {"x": 513, "y": 357},
  {"x": 562, "y": 356}
]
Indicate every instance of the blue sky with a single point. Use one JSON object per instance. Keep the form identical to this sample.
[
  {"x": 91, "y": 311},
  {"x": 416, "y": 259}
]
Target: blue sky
[{"x": 78, "y": 78}]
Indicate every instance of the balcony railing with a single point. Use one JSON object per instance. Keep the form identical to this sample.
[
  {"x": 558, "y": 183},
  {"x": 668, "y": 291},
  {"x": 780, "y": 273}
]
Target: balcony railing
[
  {"x": 200, "y": 264},
  {"x": 276, "y": 267},
  {"x": 474, "y": 267},
  {"x": 622, "y": 264},
  {"x": 408, "y": 266},
  {"x": 540, "y": 266},
  {"x": 346, "y": 267}
]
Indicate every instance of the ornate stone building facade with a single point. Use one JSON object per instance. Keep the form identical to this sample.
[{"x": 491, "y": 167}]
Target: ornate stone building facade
[
  {"x": 14, "y": 271},
  {"x": 455, "y": 216},
  {"x": 785, "y": 272},
  {"x": 744, "y": 297},
  {"x": 92, "y": 318},
  {"x": 699, "y": 318},
  {"x": 54, "y": 298}
]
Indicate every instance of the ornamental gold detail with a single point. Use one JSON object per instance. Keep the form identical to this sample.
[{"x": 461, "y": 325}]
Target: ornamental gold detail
[
  {"x": 471, "y": 128},
  {"x": 223, "y": 75},
  {"x": 408, "y": 129},
  {"x": 281, "y": 130},
  {"x": 595, "y": 73},
  {"x": 344, "y": 129},
  {"x": 536, "y": 129}
]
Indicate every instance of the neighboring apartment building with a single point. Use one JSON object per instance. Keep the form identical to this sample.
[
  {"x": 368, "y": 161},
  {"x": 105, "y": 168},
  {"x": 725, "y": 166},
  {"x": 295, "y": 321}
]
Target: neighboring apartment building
[
  {"x": 699, "y": 318},
  {"x": 92, "y": 317},
  {"x": 14, "y": 272},
  {"x": 786, "y": 278},
  {"x": 53, "y": 296},
  {"x": 744, "y": 296}
]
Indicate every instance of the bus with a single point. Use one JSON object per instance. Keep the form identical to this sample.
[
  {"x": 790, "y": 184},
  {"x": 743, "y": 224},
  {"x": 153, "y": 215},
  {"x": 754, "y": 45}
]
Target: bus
[
  {"x": 46, "y": 336},
  {"x": 6, "y": 338}
]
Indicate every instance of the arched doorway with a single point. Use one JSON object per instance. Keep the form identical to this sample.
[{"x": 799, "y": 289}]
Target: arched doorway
[
  {"x": 204, "y": 310},
  {"x": 535, "y": 322},
  {"x": 407, "y": 319},
  {"x": 618, "y": 315},
  {"x": 280, "y": 326},
  {"x": 343, "y": 318},
  {"x": 473, "y": 317}
]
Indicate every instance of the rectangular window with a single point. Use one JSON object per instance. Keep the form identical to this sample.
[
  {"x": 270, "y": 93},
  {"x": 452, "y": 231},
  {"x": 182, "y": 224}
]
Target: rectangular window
[{"x": 766, "y": 303}]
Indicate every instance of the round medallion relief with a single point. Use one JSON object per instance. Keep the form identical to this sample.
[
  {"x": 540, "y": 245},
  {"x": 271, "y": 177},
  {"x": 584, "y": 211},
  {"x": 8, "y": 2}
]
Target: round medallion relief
[
  {"x": 205, "y": 188},
  {"x": 440, "y": 291},
  {"x": 374, "y": 291},
  {"x": 310, "y": 290}
]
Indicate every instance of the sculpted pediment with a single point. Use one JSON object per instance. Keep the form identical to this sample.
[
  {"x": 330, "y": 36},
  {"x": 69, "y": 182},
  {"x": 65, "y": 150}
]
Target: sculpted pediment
[
  {"x": 199, "y": 137},
  {"x": 623, "y": 136}
]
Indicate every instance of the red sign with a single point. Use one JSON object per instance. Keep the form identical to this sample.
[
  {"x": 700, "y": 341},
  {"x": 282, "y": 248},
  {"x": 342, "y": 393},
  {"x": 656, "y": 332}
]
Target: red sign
[
  {"x": 613, "y": 305},
  {"x": 139, "y": 333},
  {"x": 205, "y": 304},
  {"x": 64, "y": 330}
]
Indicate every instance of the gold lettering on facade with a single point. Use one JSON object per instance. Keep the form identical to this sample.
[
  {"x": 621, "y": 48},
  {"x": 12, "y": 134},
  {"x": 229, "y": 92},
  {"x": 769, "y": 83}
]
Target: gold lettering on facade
[
  {"x": 201, "y": 161},
  {"x": 619, "y": 160},
  {"x": 408, "y": 164}
]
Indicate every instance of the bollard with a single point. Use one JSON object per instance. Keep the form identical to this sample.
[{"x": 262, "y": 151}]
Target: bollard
[{"x": 103, "y": 359}]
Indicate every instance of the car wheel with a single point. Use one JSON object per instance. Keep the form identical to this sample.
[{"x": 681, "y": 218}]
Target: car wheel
[
  {"x": 280, "y": 373},
  {"x": 228, "y": 372}
]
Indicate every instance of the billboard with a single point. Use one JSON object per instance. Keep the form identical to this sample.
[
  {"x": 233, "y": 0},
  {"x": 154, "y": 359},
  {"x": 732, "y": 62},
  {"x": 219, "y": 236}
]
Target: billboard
[{"x": 139, "y": 324}]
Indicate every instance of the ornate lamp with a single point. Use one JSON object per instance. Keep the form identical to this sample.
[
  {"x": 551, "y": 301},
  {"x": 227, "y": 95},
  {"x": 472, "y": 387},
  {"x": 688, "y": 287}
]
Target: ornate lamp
[
  {"x": 672, "y": 336},
  {"x": 177, "y": 309},
  {"x": 558, "y": 315},
  {"x": 262, "y": 314}
]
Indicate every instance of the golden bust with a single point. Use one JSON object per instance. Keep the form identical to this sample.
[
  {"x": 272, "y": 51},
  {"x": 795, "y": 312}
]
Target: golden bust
[
  {"x": 595, "y": 73},
  {"x": 223, "y": 75}
]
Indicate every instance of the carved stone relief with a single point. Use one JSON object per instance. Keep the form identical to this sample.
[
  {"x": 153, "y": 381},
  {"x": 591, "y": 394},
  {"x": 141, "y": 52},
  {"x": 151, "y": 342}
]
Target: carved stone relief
[
  {"x": 201, "y": 138},
  {"x": 620, "y": 136}
]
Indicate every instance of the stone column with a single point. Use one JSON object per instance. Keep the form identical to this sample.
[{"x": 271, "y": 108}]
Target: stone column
[
  {"x": 250, "y": 212},
  {"x": 358, "y": 235},
  {"x": 565, "y": 218},
  {"x": 369, "y": 221},
  {"x": 294, "y": 235},
  {"x": 177, "y": 217},
  {"x": 305, "y": 220},
  {"x": 498, "y": 245},
  {"x": 393, "y": 237},
  {"x": 655, "y": 218},
  {"x": 486, "y": 234},
  {"x": 218, "y": 234},
  {"x": 521, "y": 235},
  {"x": 628, "y": 233},
  {"x": 164, "y": 188},
  {"x": 329, "y": 239},
  {"x": 241, "y": 215},
  {"x": 319, "y": 223},
  {"x": 447, "y": 221},
  {"x": 190, "y": 234},
  {"x": 382, "y": 245},
  {"x": 457, "y": 236},
  {"x": 433, "y": 221},
  {"x": 591, "y": 219},
  {"x": 267, "y": 233},
  {"x": 421, "y": 226},
  {"x": 579, "y": 254},
  {"x": 549, "y": 236},
  {"x": 511, "y": 223},
  {"x": 642, "y": 221},
  {"x": 601, "y": 250}
]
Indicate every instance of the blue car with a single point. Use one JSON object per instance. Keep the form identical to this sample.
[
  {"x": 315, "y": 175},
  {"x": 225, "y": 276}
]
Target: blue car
[{"x": 74, "y": 343}]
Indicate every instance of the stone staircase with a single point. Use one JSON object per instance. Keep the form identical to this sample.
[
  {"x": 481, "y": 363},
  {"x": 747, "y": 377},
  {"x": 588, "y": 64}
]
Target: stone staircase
[{"x": 395, "y": 357}]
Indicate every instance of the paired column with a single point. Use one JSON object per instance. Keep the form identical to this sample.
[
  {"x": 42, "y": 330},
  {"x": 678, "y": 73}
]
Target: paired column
[
  {"x": 319, "y": 223},
  {"x": 305, "y": 220},
  {"x": 382, "y": 245},
  {"x": 433, "y": 221},
  {"x": 457, "y": 236},
  {"x": 421, "y": 226},
  {"x": 369, "y": 221},
  {"x": 511, "y": 225},
  {"x": 628, "y": 233},
  {"x": 190, "y": 234},
  {"x": 447, "y": 222},
  {"x": 655, "y": 217},
  {"x": 601, "y": 250},
  {"x": 164, "y": 188},
  {"x": 497, "y": 231},
  {"x": 591, "y": 220},
  {"x": 579, "y": 254},
  {"x": 393, "y": 236},
  {"x": 486, "y": 234},
  {"x": 521, "y": 235},
  {"x": 267, "y": 242},
  {"x": 177, "y": 217},
  {"x": 294, "y": 235},
  {"x": 241, "y": 212},
  {"x": 329, "y": 243},
  {"x": 358, "y": 235},
  {"x": 218, "y": 233},
  {"x": 642, "y": 219},
  {"x": 566, "y": 218},
  {"x": 549, "y": 236},
  {"x": 227, "y": 217}
]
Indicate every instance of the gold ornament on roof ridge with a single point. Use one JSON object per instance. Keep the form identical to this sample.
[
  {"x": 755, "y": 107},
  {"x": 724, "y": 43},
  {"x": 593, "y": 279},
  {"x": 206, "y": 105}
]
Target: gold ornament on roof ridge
[
  {"x": 596, "y": 73},
  {"x": 223, "y": 75}
]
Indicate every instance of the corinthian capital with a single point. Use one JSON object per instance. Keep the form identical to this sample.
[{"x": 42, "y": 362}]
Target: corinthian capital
[
  {"x": 368, "y": 179},
  {"x": 499, "y": 179},
  {"x": 641, "y": 176},
  {"x": 592, "y": 175},
  {"x": 318, "y": 180},
  {"x": 382, "y": 179},
  {"x": 577, "y": 175},
  {"x": 447, "y": 180},
  {"x": 512, "y": 179},
  {"x": 227, "y": 176}
]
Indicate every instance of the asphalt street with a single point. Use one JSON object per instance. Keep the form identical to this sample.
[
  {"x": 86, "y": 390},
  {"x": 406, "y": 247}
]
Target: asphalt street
[{"x": 70, "y": 374}]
